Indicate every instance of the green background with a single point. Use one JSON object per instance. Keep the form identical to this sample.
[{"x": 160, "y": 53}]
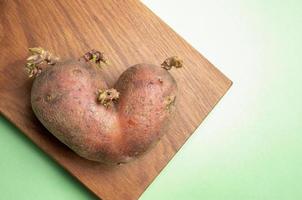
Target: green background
[{"x": 250, "y": 145}]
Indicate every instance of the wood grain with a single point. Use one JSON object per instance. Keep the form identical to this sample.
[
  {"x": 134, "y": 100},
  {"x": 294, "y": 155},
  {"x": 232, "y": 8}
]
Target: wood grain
[{"x": 129, "y": 33}]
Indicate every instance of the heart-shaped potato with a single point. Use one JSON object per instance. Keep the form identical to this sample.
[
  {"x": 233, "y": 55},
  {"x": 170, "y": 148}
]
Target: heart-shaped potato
[{"x": 73, "y": 101}]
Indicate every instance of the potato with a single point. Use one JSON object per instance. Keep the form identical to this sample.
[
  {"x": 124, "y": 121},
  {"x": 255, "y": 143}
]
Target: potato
[{"x": 72, "y": 100}]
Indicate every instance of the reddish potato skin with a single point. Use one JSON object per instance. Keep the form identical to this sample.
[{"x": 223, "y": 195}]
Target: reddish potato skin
[
  {"x": 63, "y": 98},
  {"x": 143, "y": 108}
]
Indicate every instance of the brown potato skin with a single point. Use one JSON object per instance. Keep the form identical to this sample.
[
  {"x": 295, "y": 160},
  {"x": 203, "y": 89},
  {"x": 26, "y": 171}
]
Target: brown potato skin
[{"x": 63, "y": 98}]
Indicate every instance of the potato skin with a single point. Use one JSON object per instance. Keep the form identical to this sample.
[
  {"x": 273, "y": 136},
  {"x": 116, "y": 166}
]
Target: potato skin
[
  {"x": 144, "y": 107},
  {"x": 64, "y": 99}
]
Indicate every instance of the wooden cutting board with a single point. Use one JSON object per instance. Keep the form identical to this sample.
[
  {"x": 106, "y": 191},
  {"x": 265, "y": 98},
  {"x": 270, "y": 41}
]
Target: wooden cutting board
[{"x": 129, "y": 33}]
